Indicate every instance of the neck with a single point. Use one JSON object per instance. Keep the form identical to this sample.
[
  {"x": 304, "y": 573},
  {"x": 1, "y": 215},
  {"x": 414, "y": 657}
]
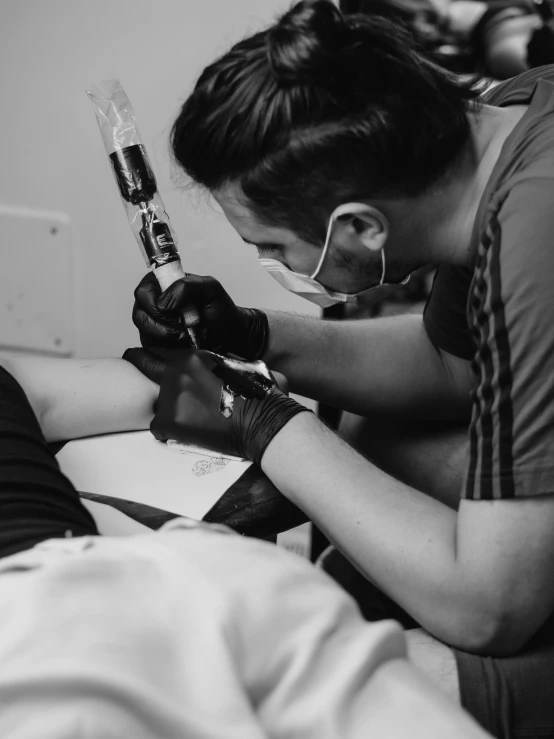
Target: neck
[{"x": 446, "y": 216}]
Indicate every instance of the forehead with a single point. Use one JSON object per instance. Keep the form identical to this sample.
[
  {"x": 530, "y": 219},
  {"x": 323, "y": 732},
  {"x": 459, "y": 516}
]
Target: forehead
[{"x": 231, "y": 201}]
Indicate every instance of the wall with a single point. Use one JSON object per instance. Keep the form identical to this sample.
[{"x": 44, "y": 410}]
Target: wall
[{"x": 53, "y": 158}]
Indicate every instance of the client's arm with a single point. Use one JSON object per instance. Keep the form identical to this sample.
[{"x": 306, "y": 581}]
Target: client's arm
[{"x": 83, "y": 397}]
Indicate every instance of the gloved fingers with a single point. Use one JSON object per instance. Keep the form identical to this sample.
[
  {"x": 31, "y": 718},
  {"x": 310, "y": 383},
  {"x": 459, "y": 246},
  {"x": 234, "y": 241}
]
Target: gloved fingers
[
  {"x": 190, "y": 290},
  {"x": 170, "y": 354},
  {"x": 151, "y": 366},
  {"x": 245, "y": 384},
  {"x": 189, "y": 370},
  {"x": 199, "y": 365},
  {"x": 155, "y": 326},
  {"x": 158, "y": 333},
  {"x": 230, "y": 377},
  {"x": 187, "y": 389},
  {"x": 158, "y": 430},
  {"x": 194, "y": 377},
  {"x": 147, "y": 293}
]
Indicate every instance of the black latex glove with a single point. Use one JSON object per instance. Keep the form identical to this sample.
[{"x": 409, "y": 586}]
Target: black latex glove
[
  {"x": 224, "y": 327},
  {"x": 187, "y": 408}
]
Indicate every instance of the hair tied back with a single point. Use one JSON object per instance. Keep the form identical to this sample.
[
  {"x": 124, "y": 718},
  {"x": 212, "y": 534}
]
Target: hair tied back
[{"x": 304, "y": 46}]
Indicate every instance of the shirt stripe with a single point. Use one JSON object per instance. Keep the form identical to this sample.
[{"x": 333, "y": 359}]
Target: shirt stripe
[
  {"x": 504, "y": 474},
  {"x": 489, "y": 474}
]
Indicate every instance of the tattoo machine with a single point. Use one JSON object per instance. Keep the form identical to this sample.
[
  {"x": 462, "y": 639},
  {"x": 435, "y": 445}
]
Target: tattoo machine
[{"x": 138, "y": 189}]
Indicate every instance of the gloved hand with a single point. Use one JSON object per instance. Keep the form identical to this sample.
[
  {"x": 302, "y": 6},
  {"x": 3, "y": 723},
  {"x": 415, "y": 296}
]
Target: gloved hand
[
  {"x": 187, "y": 408},
  {"x": 224, "y": 327}
]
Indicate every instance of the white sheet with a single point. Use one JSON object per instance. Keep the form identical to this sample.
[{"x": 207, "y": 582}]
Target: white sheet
[{"x": 134, "y": 466}]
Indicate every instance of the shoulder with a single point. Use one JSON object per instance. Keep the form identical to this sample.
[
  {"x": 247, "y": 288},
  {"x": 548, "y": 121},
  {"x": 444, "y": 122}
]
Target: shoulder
[{"x": 518, "y": 89}]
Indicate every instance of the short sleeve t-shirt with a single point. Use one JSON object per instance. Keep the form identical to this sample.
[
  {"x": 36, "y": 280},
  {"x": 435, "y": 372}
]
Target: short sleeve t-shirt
[{"x": 500, "y": 315}]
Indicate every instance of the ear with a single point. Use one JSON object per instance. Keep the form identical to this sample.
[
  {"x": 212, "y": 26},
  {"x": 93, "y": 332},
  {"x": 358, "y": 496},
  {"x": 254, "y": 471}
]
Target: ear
[{"x": 363, "y": 224}]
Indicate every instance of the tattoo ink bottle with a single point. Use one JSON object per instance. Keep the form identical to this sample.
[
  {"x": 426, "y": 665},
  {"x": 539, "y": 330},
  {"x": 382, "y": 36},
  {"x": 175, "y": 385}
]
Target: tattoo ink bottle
[{"x": 138, "y": 189}]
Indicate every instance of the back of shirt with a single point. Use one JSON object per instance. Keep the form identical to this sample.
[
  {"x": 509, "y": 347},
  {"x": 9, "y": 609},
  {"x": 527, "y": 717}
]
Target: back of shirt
[
  {"x": 499, "y": 315},
  {"x": 188, "y": 632}
]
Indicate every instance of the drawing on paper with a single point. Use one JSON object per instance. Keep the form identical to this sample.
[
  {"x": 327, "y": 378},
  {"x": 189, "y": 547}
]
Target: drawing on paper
[
  {"x": 206, "y": 461},
  {"x": 208, "y": 465}
]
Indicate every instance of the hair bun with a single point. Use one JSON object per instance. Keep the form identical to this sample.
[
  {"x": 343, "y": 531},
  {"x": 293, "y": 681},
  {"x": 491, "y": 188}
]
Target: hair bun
[{"x": 304, "y": 44}]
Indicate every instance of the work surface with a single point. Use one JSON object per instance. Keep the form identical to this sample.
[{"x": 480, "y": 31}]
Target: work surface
[{"x": 130, "y": 480}]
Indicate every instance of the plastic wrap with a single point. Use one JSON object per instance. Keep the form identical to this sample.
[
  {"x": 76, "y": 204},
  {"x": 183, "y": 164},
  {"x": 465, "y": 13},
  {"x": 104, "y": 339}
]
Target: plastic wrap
[{"x": 138, "y": 187}]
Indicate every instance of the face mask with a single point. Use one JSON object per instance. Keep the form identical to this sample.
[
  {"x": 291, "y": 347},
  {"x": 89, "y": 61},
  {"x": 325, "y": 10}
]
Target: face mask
[{"x": 306, "y": 286}]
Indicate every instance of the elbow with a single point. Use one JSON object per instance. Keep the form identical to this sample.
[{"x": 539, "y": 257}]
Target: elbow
[{"x": 495, "y": 634}]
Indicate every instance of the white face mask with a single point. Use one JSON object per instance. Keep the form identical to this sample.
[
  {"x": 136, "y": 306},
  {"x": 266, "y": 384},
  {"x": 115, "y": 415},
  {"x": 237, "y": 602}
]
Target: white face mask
[{"x": 306, "y": 286}]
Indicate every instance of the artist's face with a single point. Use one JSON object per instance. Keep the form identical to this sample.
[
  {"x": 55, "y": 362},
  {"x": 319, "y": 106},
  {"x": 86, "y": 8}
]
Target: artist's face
[{"x": 350, "y": 265}]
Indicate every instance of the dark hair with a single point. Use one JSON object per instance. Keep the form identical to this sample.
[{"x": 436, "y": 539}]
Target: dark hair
[
  {"x": 320, "y": 109},
  {"x": 403, "y": 11}
]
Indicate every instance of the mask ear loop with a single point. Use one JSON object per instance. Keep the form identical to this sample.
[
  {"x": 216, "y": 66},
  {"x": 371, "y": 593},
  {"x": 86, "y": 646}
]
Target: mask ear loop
[
  {"x": 382, "y": 280},
  {"x": 325, "y": 247},
  {"x": 344, "y": 209},
  {"x": 384, "y": 267}
]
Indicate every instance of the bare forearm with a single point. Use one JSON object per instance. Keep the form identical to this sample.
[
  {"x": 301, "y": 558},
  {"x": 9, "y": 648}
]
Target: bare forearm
[
  {"x": 400, "y": 539},
  {"x": 376, "y": 366},
  {"x": 84, "y": 397}
]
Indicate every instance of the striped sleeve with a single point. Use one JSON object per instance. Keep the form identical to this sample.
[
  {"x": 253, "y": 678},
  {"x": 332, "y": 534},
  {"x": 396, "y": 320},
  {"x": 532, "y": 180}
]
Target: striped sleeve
[{"x": 512, "y": 322}]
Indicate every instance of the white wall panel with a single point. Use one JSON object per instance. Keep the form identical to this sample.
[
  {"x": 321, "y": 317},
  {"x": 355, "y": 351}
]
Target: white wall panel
[{"x": 36, "y": 281}]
